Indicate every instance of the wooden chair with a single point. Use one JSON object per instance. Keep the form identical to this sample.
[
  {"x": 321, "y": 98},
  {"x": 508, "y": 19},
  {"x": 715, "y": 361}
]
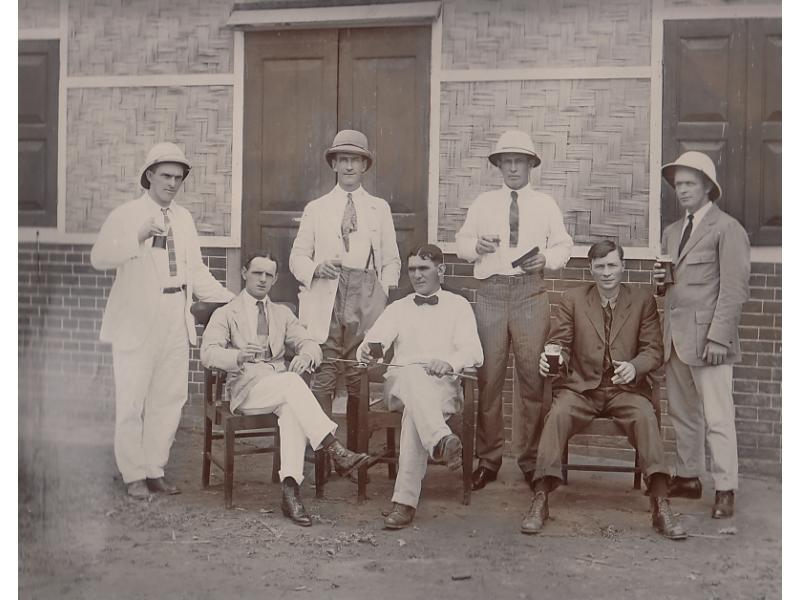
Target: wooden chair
[
  {"x": 371, "y": 418},
  {"x": 231, "y": 427},
  {"x": 602, "y": 426}
]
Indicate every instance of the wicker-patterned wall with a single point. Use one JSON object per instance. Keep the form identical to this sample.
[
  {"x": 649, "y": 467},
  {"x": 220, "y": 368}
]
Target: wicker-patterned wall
[
  {"x": 592, "y": 136},
  {"x": 110, "y": 130},
  {"x": 147, "y": 37},
  {"x": 38, "y": 14},
  {"x": 701, "y": 3},
  {"x": 545, "y": 33}
]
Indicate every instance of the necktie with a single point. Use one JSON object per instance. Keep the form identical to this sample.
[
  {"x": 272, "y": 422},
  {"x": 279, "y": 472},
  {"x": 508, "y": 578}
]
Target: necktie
[
  {"x": 262, "y": 328},
  {"x": 608, "y": 365},
  {"x": 686, "y": 233},
  {"x": 420, "y": 300},
  {"x": 513, "y": 221},
  {"x": 349, "y": 221},
  {"x": 173, "y": 265}
]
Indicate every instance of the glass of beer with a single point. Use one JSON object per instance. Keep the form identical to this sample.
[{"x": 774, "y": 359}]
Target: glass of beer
[
  {"x": 552, "y": 353},
  {"x": 666, "y": 262}
]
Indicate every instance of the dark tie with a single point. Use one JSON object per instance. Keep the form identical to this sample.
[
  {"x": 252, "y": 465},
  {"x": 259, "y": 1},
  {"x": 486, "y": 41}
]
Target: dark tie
[
  {"x": 349, "y": 221},
  {"x": 686, "y": 233},
  {"x": 173, "y": 265},
  {"x": 608, "y": 364},
  {"x": 513, "y": 221},
  {"x": 262, "y": 329},
  {"x": 420, "y": 300}
]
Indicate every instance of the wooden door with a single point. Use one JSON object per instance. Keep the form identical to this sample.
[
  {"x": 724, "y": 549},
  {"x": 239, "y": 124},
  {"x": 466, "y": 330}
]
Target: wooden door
[{"x": 301, "y": 87}]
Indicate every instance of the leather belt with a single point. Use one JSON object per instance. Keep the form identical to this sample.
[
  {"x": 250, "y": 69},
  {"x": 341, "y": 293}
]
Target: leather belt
[{"x": 173, "y": 290}]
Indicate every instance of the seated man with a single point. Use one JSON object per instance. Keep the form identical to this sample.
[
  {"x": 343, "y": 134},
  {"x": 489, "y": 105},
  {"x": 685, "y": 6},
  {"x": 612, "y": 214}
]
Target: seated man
[
  {"x": 247, "y": 338},
  {"x": 610, "y": 339},
  {"x": 434, "y": 336}
]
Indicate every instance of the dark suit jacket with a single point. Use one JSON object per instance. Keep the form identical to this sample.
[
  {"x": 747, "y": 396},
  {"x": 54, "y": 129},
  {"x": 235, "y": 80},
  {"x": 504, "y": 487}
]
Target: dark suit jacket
[{"x": 635, "y": 337}]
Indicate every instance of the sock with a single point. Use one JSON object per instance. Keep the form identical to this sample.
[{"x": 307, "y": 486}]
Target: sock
[
  {"x": 327, "y": 440},
  {"x": 658, "y": 485},
  {"x": 290, "y": 482}
]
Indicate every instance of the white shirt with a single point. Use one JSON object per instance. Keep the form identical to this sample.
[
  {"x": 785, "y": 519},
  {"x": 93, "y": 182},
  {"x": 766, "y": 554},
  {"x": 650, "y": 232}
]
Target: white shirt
[
  {"x": 160, "y": 254},
  {"x": 698, "y": 216},
  {"x": 540, "y": 224},
  {"x": 357, "y": 257},
  {"x": 446, "y": 331},
  {"x": 251, "y": 312}
]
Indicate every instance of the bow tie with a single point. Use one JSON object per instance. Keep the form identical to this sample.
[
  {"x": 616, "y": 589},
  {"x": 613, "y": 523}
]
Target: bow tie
[{"x": 420, "y": 300}]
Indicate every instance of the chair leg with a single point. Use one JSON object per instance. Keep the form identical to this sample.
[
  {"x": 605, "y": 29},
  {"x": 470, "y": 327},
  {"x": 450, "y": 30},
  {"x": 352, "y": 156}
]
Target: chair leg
[
  {"x": 320, "y": 458},
  {"x": 392, "y": 448},
  {"x": 466, "y": 474},
  {"x": 276, "y": 457},
  {"x": 207, "y": 430},
  {"x": 565, "y": 462},
  {"x": 637, "y": 474},
  {"x": 230, "y": 441}
]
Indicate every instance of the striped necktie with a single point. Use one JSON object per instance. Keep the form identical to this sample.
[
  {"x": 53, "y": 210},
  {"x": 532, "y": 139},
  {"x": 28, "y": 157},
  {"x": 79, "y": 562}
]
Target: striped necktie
[
  {"x": 513, "y": 221},
  {"x": 173, "y": 265},
  {"x": 349, "y": 221},
  {"x": 608, "y": 364}
]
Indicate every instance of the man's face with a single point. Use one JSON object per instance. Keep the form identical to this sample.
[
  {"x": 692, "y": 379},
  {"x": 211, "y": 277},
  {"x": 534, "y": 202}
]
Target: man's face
[
  {"x": 259, "y": 277},
  {"x": 691, "y": 188},
  {"x": 165, "y": 181},
  {"x": 424, "y": 275},
  {"x": 607, "y": 273},
  {"x": 350, "y": 168},
  {"x": 516, "y": 169}
]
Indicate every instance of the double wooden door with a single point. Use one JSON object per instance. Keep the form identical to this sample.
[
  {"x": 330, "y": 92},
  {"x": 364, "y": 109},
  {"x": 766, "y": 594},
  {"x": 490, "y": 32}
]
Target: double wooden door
[{"x": 300, "y": 88}]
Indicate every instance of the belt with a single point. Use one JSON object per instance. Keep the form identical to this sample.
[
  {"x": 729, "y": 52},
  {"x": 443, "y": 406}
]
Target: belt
[
  {"x": 174, "y": 290},
  {"x": 521, "y": 278}
]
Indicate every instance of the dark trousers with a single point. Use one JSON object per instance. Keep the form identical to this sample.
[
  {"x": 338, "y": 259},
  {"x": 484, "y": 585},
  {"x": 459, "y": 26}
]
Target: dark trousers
[
  {"x": 572, "y": 411},
  {"x": 511, "y": 311}
]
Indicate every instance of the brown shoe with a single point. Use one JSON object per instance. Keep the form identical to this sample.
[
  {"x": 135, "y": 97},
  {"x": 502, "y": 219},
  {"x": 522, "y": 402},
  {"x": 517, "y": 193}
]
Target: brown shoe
[
  {"x": 401, "y": 516},
  {"x": 449, "y": 451},
  {"x": 685, "y": 487},
  {"x": 664, "y": 520},
  {"x": 159, "y": 485},
  {"x": 723, "y": 505},
  {"x": 138, "y": 489},
  {"x": 345, "y": 461},
  {"x": 292, "y": 504},
  {"x": 481, "y": 476},
  {"x": 538, "y": 513}
]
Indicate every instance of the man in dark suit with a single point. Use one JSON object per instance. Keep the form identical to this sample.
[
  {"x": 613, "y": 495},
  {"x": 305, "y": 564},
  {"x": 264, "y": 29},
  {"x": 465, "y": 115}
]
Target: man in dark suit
[{"x": 610, "y": 339}]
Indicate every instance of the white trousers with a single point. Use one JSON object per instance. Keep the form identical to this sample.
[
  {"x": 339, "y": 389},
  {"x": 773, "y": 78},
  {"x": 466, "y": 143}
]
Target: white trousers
[
  {"x": 300, "y": 418},
  {"x": 426, "y": 402},
  {"x": 151, "y": 384},
  {"x": 701, "y": 410}
]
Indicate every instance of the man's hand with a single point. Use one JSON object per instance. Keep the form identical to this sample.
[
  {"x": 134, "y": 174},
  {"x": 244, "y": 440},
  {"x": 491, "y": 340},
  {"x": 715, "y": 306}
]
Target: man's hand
[
  {"x": 327, "y": 270},
  {"x": 659, "y": 273},
  {"x": 534, "y": 263},
  {"x": 714, "y": 353},
  {"x": 485, "y": 245},
  {"x": 438, "y": 368},
  {"x": 624, "y": 372},
  {"x": 248, "y": 353},
  {"x": 300, "y": 364},
  {"x": 150, "y": 228},
  {"x": 544, "y": 368}
]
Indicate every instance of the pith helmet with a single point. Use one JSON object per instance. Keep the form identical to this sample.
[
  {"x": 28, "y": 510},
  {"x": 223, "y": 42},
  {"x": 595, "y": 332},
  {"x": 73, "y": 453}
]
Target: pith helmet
[
  {"x": 352, "y": 142},
  {"x": 699, "y": 162},
  {"x": 165, "y": 152},
  {"x": 514, "y": 141}
]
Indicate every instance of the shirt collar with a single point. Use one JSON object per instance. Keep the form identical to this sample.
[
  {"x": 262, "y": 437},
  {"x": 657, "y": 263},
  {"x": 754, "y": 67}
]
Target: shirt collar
[
  {"x": 698, "y": 214},
  {"x": 251, "y": 300},
  {"x": 605, "y": 301},
  {"x": 338, "y": 189},
  {"x": 436, "y": 293},
  {"x": 521, "y": 191}
]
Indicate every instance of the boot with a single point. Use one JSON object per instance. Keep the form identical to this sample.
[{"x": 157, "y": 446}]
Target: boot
[
  {"x": 538, "y": 513},
  {"x": 292, "y": 503},
  {"x": 448, "y": 450},
  {"x": 723, "y": 505},
  {"x": 345, "y": 461},
  {"x": 401, "y": 516},
  {"x": 664, "y": 520}
]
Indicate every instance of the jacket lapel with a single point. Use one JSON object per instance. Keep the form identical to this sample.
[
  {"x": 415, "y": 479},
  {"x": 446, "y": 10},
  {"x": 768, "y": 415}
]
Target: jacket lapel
[
  {"x": 621, "y": 312},
  {"x": 595, "y": 311},
  {"x": 275, "y": 329},
  {"x": 238, "y": 319},
  {"x": 704, "y": 228}
]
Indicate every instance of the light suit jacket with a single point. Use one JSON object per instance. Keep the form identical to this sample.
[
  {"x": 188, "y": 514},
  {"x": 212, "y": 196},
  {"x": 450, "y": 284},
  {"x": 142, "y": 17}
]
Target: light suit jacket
[
  {"x": 319, "y": 238},
  {"x": 712, "y": 277},
  {"x": 635, "y": 337},
  {"x": 134, "y": 296},
  {"x": 229, "y": 330}
]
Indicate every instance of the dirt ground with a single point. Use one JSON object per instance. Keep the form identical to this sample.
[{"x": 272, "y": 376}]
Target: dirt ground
[{"x": 81, "y": 537}]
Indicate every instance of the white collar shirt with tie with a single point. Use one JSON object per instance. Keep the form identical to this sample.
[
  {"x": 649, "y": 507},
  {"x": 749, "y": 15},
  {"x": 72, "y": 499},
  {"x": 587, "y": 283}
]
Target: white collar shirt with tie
[
  {"x": 356, "y": 257},
  {"x": 698, "y": 216},
  {"x": 161, "y": 255},
  {"x": 251, "y": 312}
]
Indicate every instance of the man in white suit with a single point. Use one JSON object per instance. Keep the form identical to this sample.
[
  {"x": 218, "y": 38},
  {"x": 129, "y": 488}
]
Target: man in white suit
[
  {"x": 247, "y": 338},
  {"x": 345, "y": 257},
  {"x": 153, "y": 245},
  {"x": 711, "y": 256}
]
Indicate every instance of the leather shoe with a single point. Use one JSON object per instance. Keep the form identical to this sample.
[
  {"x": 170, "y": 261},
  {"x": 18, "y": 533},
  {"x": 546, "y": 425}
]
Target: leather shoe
[
  {"x": 538, "y": 513},
  {"x": 664, "y": 520},
  {"x": 159, "y": 485},
  {"x": 401, "y": 516},
  {"x": 292, "y": 504},
  {"x": 481, "y": 476},
  {"x": 685, "y": 487},
  {"x": 448, "y": 451},
  {"x": 723, "y": 505},
  {"x": 345, "y": 461},
  {"x": 138, "y": 489}
]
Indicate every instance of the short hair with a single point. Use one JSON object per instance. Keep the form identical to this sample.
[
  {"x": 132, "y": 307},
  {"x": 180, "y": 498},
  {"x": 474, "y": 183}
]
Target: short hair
[
  {"x": 603, "y": 248},
  {"x": 260, "y": 254},
  {"x": 430, "y": 252}
]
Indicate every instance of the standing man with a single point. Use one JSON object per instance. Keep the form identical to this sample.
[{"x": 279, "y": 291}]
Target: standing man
[
  {"x": 610, "y": 340},
  {"x": 512, "y": 306},
  {"x": 434, "y": 336},
  {"x": 711, "y": 256},
  {"x": 345, "y": 257},
  {"x": 153, "y": 245},
  {"x": 248, "y": 338}
]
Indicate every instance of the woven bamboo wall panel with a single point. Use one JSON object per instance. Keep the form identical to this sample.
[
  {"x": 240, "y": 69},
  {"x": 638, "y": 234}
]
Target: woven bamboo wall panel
[
  {"x": 545, "y": 33},
  {"x": 592, "y": 137},
  {"x": 38, "y": 14},
  {"x": 149, "y": 37},
  {"x": 110, "y": 130},
  {"x": 682, "y": 3}
]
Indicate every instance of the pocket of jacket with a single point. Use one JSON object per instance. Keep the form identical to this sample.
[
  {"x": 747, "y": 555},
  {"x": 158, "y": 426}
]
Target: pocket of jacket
[{"x": 702, "y": 268}]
